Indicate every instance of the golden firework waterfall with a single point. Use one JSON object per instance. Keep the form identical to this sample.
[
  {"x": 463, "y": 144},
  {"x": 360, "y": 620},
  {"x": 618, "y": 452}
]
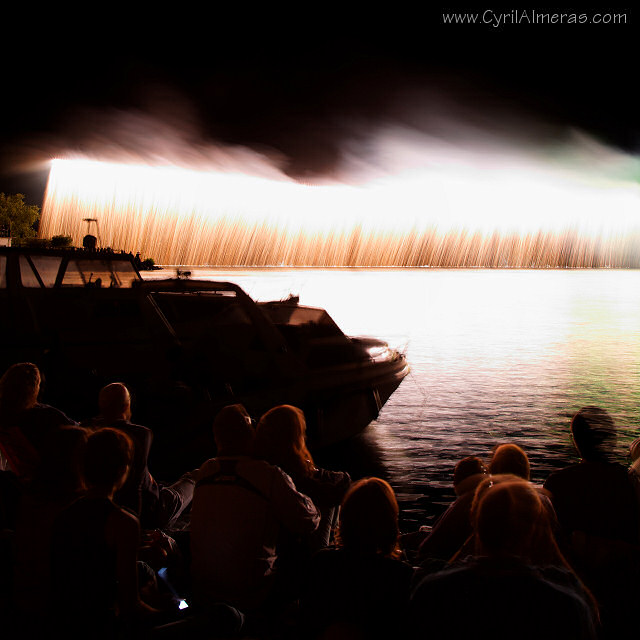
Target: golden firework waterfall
[{"x": 447, "y": 217}]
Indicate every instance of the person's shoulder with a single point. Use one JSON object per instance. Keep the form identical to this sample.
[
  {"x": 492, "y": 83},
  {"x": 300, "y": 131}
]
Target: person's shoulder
[
  {"x": 51, "y": 413},
  {"x": 592, "y": 472},
  {"x": 279, "y": 478},
  {"x": 555, "y": 589},
  {"x": 616, "y": 477},
  {"x": 332, "y": 561},
  {"x": 561, "y": 476},
  {"x": 264, "y": 468},
  {"x": 451, "y": 574},
  {"x": 241, "y": 464},
  {"x": 615, "y": 469},
  {"x": 132, "y": 429},
  {"x": 138, "y": 427},
  {"x": 85, "y": 510},
  {"x": 206, "y": 469},
  {"x": 561, "y": 577},
  {"x": 43, "y": 406}
]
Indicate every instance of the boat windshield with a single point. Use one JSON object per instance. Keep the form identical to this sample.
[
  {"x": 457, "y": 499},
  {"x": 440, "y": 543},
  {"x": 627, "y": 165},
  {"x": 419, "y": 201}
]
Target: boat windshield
[
  {"x": 295, "y": 316},
  {"x": 99, "y": 273},
  {"x": 39, "y": 271}
]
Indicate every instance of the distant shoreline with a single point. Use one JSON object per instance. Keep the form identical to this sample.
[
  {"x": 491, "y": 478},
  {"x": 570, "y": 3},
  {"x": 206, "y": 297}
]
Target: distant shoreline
[{"x": 382, "y": 268}]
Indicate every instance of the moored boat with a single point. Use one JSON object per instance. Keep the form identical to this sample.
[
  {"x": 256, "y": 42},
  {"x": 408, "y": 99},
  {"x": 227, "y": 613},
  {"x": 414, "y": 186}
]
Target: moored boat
[{"x": 88, "y": 318}]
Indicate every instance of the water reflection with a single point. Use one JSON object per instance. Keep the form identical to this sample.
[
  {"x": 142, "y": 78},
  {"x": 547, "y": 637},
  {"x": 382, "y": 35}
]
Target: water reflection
[{"x": 496, "y": 356}]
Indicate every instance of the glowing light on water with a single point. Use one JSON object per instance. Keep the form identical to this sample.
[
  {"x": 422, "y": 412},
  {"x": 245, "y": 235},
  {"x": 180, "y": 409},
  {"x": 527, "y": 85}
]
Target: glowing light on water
[{"x": 451, "y": 213}]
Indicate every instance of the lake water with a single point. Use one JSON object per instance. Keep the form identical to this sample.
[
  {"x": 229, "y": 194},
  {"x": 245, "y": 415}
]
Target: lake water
[{"x": 496, "y": 356}]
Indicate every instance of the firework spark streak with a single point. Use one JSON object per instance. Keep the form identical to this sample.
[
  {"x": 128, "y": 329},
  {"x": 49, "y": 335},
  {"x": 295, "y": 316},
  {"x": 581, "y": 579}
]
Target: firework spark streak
[{"x": 450, "y": 215}]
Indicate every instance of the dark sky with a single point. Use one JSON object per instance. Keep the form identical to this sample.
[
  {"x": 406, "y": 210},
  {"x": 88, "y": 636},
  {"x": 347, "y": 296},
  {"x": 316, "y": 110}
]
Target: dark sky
[{"x": 293, "y": 84}]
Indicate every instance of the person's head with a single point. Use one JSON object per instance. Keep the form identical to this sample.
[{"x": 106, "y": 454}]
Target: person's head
[
  {"x": 19, "y": 387},
  {"x": 594, "y": 434},
  {"x": 508, "y": 518},
  {"x": 232, "y": 431},
  {"x": 280, "y": 440},
  {"x": 107, "y": 458},
  {"x": 368, "y": 521},
  {"x": 467, "y": 474},
  {"x": 510, "y": 459},
  {"x": 114, "y": 402}
]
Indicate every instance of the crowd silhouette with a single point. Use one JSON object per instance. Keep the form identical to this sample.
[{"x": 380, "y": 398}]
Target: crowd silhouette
[{"x": 259, "y": 542}]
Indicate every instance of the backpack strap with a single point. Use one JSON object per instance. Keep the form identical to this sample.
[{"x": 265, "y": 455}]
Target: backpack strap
[{"x": 228, "y": 476}]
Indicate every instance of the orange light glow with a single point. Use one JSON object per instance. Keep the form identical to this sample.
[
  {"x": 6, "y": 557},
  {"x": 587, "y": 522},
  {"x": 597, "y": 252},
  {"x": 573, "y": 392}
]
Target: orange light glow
[{"x": 451, "y": 213}]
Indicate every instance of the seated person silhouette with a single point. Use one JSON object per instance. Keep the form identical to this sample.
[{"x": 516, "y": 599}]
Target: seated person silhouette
[
  {"x": 240, "y": 506},
  {"x": 597, "y": 509},
  {"x": 94, "y": 571},
  {"x": 157, "y": 505},
  {"x": 281, "y": 441},
  {"x": 360, "y": 588},
  {"x": 25, "y": 424},
  {"x": 452, "y": 529},
  {"x": 509, "y": 588}
]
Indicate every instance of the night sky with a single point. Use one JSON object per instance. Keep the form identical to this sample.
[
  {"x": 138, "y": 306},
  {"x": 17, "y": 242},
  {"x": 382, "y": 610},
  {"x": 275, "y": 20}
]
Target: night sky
[{"x": 298, "y": 85}]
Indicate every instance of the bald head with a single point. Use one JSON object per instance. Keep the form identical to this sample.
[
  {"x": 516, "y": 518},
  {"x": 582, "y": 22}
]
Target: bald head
[{"x": 115, "y": 402}]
